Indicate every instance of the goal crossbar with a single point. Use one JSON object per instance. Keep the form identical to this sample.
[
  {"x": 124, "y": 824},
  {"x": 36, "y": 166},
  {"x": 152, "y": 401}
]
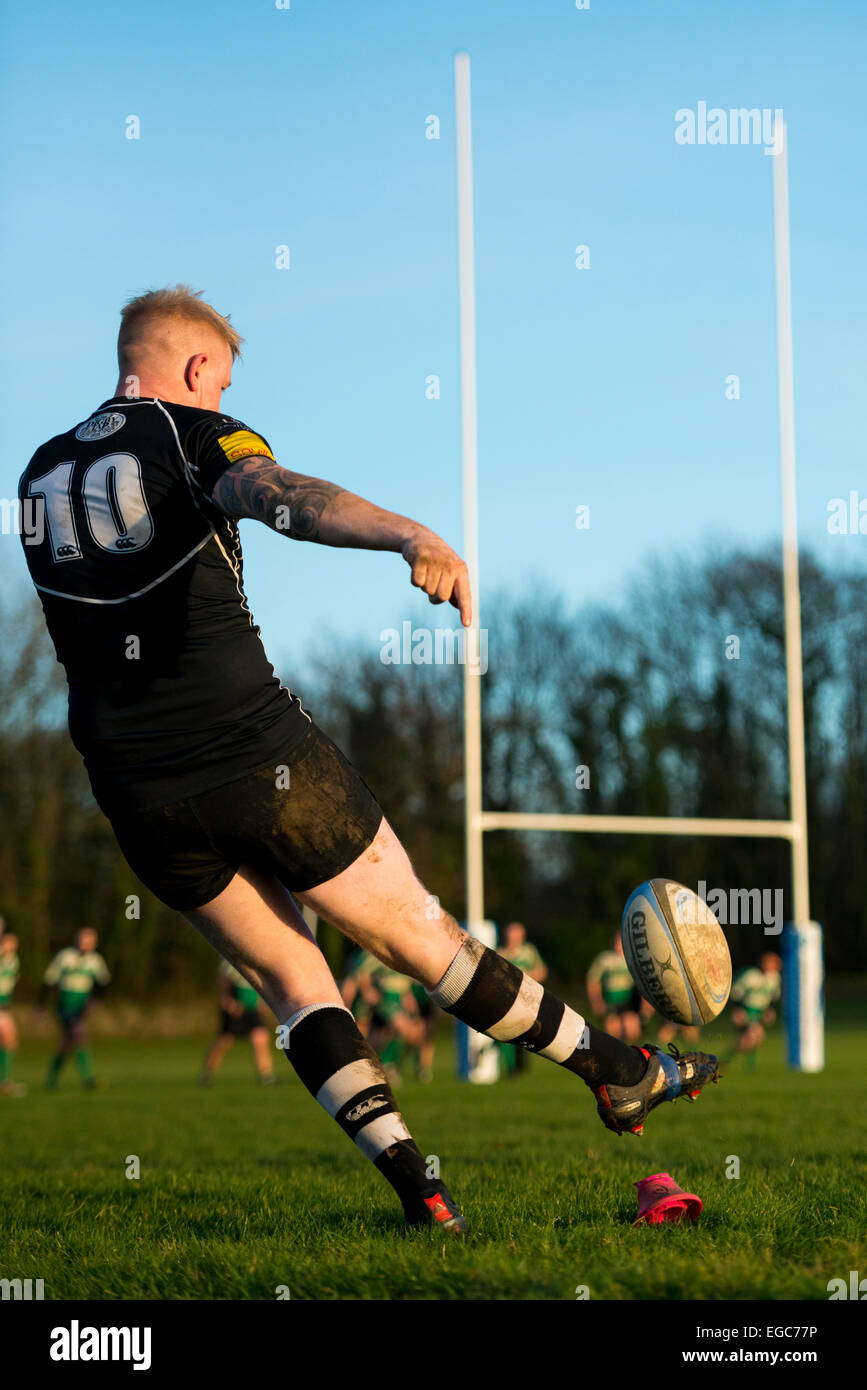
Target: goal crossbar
[{"x": 639, "y": 825}]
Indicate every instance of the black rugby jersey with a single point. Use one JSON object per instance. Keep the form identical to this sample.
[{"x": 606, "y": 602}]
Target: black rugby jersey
[{"x": 140, "y": 577}]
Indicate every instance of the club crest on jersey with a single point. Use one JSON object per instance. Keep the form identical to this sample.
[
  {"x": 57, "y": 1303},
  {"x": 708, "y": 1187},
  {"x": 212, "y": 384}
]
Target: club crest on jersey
[
  {"x": 101, "y": 426},
  {"x": 244, "y": 444}
]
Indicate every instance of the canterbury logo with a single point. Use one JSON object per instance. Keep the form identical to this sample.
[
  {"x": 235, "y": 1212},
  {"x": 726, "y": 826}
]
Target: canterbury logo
[{"x": 364, "y": 1107}]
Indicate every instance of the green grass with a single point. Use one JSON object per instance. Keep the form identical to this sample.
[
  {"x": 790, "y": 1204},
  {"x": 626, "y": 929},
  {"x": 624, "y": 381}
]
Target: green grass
[{"x": 245, "y": 1189}]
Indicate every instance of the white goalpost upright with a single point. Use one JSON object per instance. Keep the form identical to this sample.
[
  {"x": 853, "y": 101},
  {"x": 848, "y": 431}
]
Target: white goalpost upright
[
  {"x": 803, "y": 969},
  {"x": 802, "y": 941},
  {"x": 472, "y": 678}
]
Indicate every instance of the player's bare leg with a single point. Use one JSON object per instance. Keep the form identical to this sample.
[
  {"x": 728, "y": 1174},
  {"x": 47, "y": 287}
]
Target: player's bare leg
[
  {"x": 631, "y": 1026},
  {"x": 379, "y": 902},
  {"x": 213, "y": 1060},
  {"x": 8, "y": 1049},
  {"x": 750, "y": 1041},
  {"x": 255, "y": 924},
  {"x": 749, "y": 1035},
  {"x": 260, "y": 1043},
  {"x": 73, "y": 1039}
]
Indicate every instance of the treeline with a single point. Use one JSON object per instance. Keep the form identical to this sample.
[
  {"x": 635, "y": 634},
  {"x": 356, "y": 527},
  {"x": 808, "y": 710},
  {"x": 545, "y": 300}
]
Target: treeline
[{"x": 670, "y": 701}]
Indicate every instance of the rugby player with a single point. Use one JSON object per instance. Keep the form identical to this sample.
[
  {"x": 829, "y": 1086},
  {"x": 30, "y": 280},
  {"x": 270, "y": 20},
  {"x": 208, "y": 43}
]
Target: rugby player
[
  {"x": 239, "y": 1018},
  {"x": 612, "y": 992},
  {"x": 396, "y": 1026},
  {"x": 755, "y": 991},
  {"x": 225, "y": 797},
  {"x": 356, "y": 991},
  {"x": 425, "y": 1051},
  {"x": 522, "y": 953},
  {"x": 386, "y": 1010},
  {"x": 79, "y": 974}
]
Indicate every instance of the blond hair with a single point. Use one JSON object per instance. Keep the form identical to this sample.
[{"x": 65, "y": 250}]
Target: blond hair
[{"x": 180, "y": 303}]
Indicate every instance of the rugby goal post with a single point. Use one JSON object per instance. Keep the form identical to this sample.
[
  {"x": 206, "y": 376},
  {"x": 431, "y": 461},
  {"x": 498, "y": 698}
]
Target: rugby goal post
[{"x": 802, "y": 959}]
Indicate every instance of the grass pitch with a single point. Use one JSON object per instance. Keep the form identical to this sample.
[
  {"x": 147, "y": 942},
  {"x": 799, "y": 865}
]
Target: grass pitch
[{"x": 245, "y": 1191}]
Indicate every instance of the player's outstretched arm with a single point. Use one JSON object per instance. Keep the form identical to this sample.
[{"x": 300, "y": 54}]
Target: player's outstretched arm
[{"x": 310, "y": 509}]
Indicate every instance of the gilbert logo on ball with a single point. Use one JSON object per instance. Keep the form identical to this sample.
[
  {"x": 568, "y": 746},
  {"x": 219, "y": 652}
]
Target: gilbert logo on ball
[
  {"x": 661, "y": 1199},
  {"x": 676, "y": 952}
]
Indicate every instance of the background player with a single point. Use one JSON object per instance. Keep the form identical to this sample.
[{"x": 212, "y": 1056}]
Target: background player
[
  {"x": 9, "y": 970},
  {"x": 755, "y": 991},
  {"x": 238, "y": 1018},
  {"x": 425, "y": 1052},
  {"x": 395, "y": 1020},
  {"x": 612, "y": 993},
  {"x": 524, "y": 956},
  {"x": 356, "y": 991},
  {"x": 80, "y": 974}
]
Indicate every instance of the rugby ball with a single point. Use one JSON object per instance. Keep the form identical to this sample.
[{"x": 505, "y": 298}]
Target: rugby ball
[{"x": 676, "y": 952}]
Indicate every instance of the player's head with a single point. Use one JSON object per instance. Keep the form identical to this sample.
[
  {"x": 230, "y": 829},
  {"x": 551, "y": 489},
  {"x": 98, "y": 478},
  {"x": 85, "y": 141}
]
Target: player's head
[
  {"x": 514, "y": 934},
  {"x": 8, "y": 943},
  {"x": 86, "y": 939},
  {"x": 770, "y": 963},
  {"x": 173, "y": 345}
]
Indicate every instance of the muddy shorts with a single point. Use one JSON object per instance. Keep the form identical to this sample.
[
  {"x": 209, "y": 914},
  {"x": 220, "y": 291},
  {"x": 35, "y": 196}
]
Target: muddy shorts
[{"x": 304, "y": 821}]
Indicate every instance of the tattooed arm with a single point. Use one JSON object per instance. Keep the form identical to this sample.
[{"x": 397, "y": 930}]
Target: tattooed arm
[
  {"x": 288, "y": 502},
  {"x": 309, "y": 509}
]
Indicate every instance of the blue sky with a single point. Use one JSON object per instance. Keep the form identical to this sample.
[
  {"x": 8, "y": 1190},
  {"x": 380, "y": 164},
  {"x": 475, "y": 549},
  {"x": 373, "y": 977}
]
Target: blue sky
[{"x": 606, "y": 386}]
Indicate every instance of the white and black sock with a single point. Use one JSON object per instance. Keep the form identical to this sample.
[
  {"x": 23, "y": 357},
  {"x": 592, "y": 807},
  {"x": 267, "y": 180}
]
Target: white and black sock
[
  {"x": 345, "y": 1075},
  {"x": 493, "y": 996}
]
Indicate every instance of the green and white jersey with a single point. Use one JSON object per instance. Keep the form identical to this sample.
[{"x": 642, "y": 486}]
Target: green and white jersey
[
  {"x": 242, "y": 991},
  {"x": 389, "y": 982},
  {"x": 75, "y": 973},
  {"x": 382, "y": 977},
  {"x": 755, "y": 990},
  {"x": 525, "y": 957},
  {"x": 10, "y": 968},
  {"x": 395, "y": 990},
  {"x": 611, "y": 973}
]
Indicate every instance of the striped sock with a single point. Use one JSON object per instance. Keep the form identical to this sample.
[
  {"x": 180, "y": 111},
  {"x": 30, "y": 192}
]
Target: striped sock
[
  {"x": 493, "y": 996},
  {"x": 345, "y": 1075}
]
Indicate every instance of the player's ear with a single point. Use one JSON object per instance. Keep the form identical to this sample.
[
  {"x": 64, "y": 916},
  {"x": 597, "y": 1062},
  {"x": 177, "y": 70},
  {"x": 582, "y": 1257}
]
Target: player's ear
[{"x": 193, "y": 370}]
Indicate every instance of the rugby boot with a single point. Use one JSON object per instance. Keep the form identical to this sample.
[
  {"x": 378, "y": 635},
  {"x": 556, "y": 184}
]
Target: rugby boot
[
  {"x": 624, "y": 1109},
  {"x": 437, "y": 1210}
]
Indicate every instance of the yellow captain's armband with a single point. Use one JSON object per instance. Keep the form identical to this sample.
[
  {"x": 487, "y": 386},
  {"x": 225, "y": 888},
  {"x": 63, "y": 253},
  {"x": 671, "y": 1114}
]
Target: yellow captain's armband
[{"x": 243, "y": 444}]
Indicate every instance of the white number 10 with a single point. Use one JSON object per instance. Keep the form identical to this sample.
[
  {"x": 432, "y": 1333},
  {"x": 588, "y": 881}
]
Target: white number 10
[{"x": 114, "y": 504}]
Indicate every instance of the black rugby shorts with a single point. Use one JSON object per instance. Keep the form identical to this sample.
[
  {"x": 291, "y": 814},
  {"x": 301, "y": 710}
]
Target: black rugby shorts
[
  {"x": 304, "y": 833},
  {"x": 238, "y": 1025}
]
